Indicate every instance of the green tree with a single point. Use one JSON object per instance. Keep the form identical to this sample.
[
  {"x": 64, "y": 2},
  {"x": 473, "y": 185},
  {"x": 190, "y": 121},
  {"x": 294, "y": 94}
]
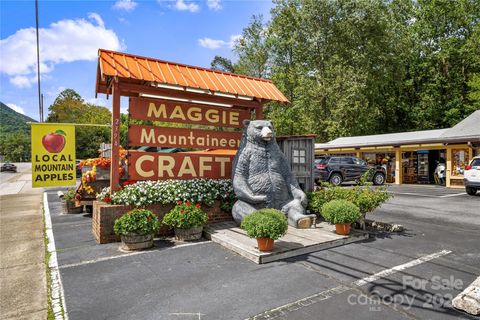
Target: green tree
[
  {"x": 366, "y": 67},
  {"x": 69, "y": 107},
  {"x": 252, "y": 49},
  {"x": 222, "y": 64}
]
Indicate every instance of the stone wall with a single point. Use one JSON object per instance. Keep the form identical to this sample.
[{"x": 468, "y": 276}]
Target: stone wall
[{"x": 104, "y": 216}]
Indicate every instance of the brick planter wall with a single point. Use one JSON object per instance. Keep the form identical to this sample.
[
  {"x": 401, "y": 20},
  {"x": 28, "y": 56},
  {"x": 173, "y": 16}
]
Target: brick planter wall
[{"x": 104, "y": 216}]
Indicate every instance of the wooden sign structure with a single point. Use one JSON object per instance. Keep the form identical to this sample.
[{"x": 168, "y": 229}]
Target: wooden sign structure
[
  {"x": 183, "y": 165},
  {"x": 123, "y": 74}
]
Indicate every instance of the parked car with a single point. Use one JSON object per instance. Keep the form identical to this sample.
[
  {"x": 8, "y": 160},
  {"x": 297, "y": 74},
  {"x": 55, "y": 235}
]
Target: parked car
[
  {"x": 339, "y": 169},
  {"x": 8, "y": 167},
  {"x": 471, "y": 176}
]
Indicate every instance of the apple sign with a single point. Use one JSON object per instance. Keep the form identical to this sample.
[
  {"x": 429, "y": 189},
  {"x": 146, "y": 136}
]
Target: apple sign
[{"x": 54, "y": 142}]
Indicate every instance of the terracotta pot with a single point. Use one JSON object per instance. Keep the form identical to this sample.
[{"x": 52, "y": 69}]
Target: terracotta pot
[
  {"x": 342, "y": 228},
  {"x": 265, "y": 244},
  {"x": 188, "y": 234},
  {"x": 136, "y": 241}
]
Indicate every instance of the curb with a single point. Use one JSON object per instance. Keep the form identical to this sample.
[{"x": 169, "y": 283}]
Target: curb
[
  {"x": 469, "y": 299},
  {"x": 57, "y": 295}
]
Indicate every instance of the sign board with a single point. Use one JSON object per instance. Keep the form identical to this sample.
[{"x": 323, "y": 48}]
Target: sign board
[
  {"x": 182, "y": 138},
  {"x": 184, "y": 165},
  {"x": 53, "y": 155},
  {"x": 181, "y": 112}
]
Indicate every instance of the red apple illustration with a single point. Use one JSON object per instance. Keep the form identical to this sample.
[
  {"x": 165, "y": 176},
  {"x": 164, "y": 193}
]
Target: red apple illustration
[{"x": 54, "y": 142}]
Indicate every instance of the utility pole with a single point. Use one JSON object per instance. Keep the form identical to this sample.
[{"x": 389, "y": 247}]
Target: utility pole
[{"x": 40, "y": 111}]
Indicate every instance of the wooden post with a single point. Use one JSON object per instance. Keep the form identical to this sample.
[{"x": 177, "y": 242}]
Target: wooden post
[
  {"x": 398, "y": 167},
  {"x": 115, "y": 138},
  {"x": 448, "y": 171},
  {"x": 259, "y": 112}
]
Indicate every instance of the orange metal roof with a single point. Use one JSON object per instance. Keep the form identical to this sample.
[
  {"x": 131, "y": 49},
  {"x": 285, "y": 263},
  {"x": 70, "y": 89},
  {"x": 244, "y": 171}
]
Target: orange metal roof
[{"x": 123, "y": 65}]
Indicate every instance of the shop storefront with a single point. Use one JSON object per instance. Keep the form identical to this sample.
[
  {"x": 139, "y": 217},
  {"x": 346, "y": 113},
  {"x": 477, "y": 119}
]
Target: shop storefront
[{"x": 421, "y": 157}]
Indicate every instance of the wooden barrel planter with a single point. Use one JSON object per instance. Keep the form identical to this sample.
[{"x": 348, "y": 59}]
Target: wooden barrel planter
[
  {"x": 188, "y": 234},
  {"x": 137, "y": 242},
  {"x": 71, "y": 208}
]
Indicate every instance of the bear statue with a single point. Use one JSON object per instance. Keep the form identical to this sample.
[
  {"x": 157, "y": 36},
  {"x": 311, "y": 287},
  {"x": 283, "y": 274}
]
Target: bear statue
[{"x": 262, "y": 177}]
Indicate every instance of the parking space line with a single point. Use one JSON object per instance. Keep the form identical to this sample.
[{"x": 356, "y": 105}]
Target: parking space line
[
  {"x": 453, "y": 195},
  {"x": 129, "y": 254},
  {"x": 324, "y": 295},
  {"x": 429, "y": 195}
]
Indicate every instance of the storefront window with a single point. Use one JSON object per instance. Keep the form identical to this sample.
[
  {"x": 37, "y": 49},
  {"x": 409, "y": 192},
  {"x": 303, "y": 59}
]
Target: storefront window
[
  {"x": 386, "y": 160},
  {"x": 460, "y": 160}
]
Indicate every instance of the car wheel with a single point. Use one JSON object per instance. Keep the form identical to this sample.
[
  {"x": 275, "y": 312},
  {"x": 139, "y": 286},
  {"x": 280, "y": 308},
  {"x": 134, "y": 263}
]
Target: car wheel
[
  {"x": 378, "y": 179},
  {"x": 336, "y": 179},
  {"x": 471, "y": 191}
]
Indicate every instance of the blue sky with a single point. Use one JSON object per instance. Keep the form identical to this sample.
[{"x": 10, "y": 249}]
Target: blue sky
[{"x": 71, "y": 32}]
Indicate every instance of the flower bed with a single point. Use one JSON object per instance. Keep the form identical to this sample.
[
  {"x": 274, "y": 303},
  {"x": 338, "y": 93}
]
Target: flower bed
[
  {"x": 215, "y": 196},
  {"x": 104, "y": 216}
]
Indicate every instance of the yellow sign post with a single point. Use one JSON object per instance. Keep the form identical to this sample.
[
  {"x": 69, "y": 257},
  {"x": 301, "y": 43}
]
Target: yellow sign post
[{"x": 53, "y": 155}]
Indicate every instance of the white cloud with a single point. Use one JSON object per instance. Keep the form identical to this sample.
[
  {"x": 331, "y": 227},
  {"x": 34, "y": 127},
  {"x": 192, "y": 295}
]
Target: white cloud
[
  {"x": 63, "y": 41},
  {"x": 211, "y": 43},
  {"x": 127, "y": 5},
  {"x": 214, "y": 5},
  {"x": 216, "y": 44},
  {"x": 97, "y": 101},
  {"x": 16, "y": 108},
  {"x": 21, "y": 82},
  {"x": 181, "y": 5}
]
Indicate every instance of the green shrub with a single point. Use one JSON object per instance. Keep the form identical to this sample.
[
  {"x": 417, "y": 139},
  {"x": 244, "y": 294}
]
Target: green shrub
[
  {"x": 366, "y": 199},
  {"x": 265, "y": 223},
  {"x": 185, "y": 216},
  {"x": 137, "y": 221},
  {"x": 340, "y": 211},
  {"x": 69, "y": 195}
]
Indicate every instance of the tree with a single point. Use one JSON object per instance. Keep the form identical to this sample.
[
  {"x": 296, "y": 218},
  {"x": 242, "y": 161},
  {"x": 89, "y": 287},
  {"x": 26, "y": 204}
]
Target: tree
[
  {"x": 253, "y": 49},
  {"x": 366, "y": 67},
  {"x": 222, "y": 64},
  {"x": 69, "y": 107}
]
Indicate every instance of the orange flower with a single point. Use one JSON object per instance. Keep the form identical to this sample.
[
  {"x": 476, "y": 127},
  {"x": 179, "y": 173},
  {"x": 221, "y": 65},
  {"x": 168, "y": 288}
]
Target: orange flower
[
  {"x": 182, "y": 211},
  {"x": 179, "y": 202},
  {"x": 198, "y": 205},
  {"x": 188, "y": 203}
]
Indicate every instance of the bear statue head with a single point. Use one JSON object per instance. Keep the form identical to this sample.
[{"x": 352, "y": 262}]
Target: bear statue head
[{"x": 259, "y": 131}]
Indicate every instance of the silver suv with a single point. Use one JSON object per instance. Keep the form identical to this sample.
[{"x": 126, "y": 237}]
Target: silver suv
[{"x": 472, "y": 176}]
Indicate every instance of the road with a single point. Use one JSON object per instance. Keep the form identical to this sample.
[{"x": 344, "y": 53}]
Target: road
[
  {"x": 19, "y": 182},
  {"x": 412, "y": 275}
]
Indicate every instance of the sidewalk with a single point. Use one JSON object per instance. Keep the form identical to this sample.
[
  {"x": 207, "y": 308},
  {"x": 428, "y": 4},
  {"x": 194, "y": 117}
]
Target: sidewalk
[{"x": 23, "y": 287}]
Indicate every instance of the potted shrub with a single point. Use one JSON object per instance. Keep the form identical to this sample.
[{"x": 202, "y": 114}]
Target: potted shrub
[
  {"x": 137, "y": 228},
  {"x": 187, "y": 220},
  {"x": 70, "y": 206},
  {"x": 341, "y": 213},
  {"x": 266, "y": 225}
]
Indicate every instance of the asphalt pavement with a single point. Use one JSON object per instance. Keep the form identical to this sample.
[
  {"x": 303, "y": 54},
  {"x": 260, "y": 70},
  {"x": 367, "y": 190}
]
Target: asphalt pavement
[{"x": 412, "y": 275}]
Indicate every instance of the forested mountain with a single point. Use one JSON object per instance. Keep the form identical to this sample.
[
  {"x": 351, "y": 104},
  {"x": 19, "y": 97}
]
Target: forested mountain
[
  {"x": 14, "y": 134},
  {"x": 12, "y": 121}
]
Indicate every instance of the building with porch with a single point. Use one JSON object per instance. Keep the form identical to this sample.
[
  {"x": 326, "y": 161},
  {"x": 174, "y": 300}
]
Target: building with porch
[{"x": 411, "y": 157}]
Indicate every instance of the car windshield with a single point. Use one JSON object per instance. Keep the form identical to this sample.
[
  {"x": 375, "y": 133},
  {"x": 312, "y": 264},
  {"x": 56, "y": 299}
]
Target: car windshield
[
  {"x": 475, "y": 163},
  {"x": 321, "y": 161}
]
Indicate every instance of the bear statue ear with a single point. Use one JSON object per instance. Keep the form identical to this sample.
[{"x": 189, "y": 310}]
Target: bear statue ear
[{"x": 246, "y": 122}]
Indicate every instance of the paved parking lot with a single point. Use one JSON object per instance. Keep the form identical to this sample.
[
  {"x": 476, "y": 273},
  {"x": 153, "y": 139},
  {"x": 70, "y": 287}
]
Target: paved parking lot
[{"x": 413, "y": 275}]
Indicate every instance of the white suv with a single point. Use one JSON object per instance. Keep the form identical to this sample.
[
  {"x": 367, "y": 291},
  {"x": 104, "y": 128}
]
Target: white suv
[{"x": 472, "y": 176}]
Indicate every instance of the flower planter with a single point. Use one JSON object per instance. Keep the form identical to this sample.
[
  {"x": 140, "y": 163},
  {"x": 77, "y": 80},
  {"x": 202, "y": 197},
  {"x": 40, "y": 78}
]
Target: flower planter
[
  {"x": 188, "y": 234},
  {"x": 342, "y": 229},
  {"x": 137, "y": 242},
  {"x": 70, "y": 207},
  {"x": 265, "y": 244}
]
